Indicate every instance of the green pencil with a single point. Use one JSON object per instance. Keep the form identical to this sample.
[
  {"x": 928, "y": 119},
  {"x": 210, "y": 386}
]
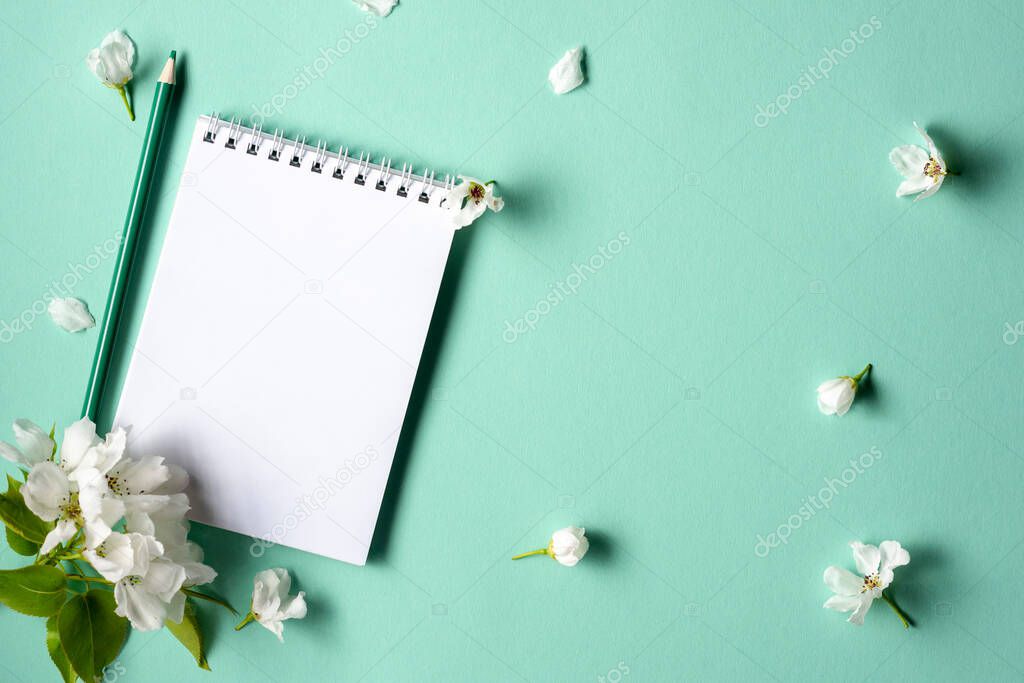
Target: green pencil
[{"x": 129, "y": 238}]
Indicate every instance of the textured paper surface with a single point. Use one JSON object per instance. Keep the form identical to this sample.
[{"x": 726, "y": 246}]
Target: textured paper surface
[{"x": 668, "y": 404}]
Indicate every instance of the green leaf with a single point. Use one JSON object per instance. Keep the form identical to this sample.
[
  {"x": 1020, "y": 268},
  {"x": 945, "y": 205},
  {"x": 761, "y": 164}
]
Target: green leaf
[
  {"x": 91, "y": 634},
  {"x": 20, "y": 545},
  {"x": 18, "y": 517},
  {"x": 60, "y": 660},
  {"x": 37, "y": 590},
  {"x": 189, "y": 635}
]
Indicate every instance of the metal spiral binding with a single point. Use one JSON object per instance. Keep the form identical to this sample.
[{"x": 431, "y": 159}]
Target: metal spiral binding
[{"x": 319, "y": 158}]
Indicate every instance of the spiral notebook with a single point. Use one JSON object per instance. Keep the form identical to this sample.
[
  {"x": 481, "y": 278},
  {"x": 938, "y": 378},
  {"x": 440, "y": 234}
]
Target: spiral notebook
[{"x": 282, "y": 333}]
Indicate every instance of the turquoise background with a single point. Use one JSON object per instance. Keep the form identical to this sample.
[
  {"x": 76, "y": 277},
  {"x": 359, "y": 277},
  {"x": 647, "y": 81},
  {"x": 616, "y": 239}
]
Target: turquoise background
[{"x": 668, "y": 405}]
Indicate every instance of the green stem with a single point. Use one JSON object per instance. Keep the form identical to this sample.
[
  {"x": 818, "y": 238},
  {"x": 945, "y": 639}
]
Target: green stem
[
  {"x": 491, "y": 182},
  {"x": 539, "y": 551},
  {"x": 211, "y": 598},
  {"x": 127, "y": 105},
  {"x": 897, "y": 610},
  {"x": 863, "y": 372},
  {"x": 88, "y": 579},
  {"x": 249, "y": 618}
]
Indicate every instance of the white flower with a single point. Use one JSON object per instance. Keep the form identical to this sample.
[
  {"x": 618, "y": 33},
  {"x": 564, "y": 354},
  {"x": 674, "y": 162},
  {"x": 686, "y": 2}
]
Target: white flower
[
  {"x": 112, "y": 63},
  {"x": 856, "y": 593},
  {"x": 836, "y": 395},
  {"x": 381, "y": 8},
  {"x": 469, "y": 199},
  {"x": 34, "y": 445},
  {"x": 121, "y": 555},
  {"x": 51, "y": 497},
  {"x": 567, "y": 74},
  {"x": 149, "y": 599},
  {"x": 271, "y": 603},
  {"x": 71, "y": 314},
  {"x": 567, "y": 546},
  {"x": 923, "y": 170},
  {"x": 76, "y": 448}
]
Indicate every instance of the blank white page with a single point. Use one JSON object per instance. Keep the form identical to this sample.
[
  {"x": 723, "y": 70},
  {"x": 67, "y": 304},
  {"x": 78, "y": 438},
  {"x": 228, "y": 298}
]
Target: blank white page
[{"x": 281, "y": 338}]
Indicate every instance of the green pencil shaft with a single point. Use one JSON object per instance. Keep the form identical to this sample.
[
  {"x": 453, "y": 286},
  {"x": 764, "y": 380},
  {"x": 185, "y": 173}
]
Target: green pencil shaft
[{"x": 125, "y": 257}]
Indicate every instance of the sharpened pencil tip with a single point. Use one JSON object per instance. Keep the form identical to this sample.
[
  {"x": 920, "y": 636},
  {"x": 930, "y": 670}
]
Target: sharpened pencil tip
[{"x": 167, "y": 75}]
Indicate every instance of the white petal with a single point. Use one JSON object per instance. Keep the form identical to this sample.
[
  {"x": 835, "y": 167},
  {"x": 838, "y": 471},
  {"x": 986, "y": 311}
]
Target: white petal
[
  {"x": 932, "y": 149},
  {"x": 914, "y": 185},
  {"x": 142, "y": 476},
  {"x": 274, "y": 626},
  {"x": 830, "y": 384},
  {"x": 124, "y": 45},
  {"x": 177, "y": 481},
  {"x": 106, "y": 455},
  {"x": 294, "y": 608},
  {"x": 265, "y": 596},
  {"x": 112, "y": 62},
  {"x": 36, "y": 445},
  {"x": 143, "y": 609},
  {"x": 842, "y": 603},
  {"x": 842, "y": 581},
  {"x": 45, "y": 489},
  {"x": 835, "y": 396},
  {"x": 862, "y": 609},
  {"x": 909, "y": 160},
  {"x": 892, "y": 555},
  {"x": 163, "y": 579},
  {"x": 71, "y": 314},
  {"x": 866, "y": 556},
  {"x": 61, "y": 533},
  {"x": 932, "y": 189},
  {"x": 381, "y": 8},
  {"x": 11, "y": 453},
  {"x": 114, "y": 558},
  {"x": 92, "y": 60},
  {"x": 79, "y": 437},
  {"x": 176, "y": 608},
  {"x": 844, "y": 402},
  {"x": 567, "y": 74}
]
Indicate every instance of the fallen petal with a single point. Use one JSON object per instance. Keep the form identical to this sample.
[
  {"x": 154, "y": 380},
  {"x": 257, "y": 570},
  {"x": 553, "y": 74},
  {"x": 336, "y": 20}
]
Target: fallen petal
[
  {"x": 567, "y": 74},
  {"x": 381, "y": 8},
  {"x": 71, "y": 314}
]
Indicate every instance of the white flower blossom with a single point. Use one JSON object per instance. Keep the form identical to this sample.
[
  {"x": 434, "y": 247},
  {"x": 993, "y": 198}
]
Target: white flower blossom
[
  {"x": 124, "y": 516},
  {"x": 924, "y": 170},
  {"x": 836, "y": 395},
  {"x": 567, "y": 546},
  {"x": 112, "y": 63},
  {"x": 856, "y": 593},
  {"x": 468, "y": 200},
  {"x": 271, "y": 604}
]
